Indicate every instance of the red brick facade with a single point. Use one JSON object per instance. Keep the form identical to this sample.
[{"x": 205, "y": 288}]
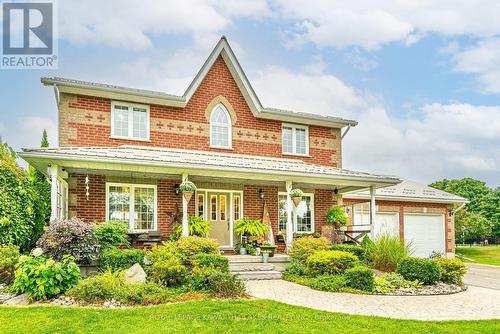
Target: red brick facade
[{"x": 86, "y": 121}]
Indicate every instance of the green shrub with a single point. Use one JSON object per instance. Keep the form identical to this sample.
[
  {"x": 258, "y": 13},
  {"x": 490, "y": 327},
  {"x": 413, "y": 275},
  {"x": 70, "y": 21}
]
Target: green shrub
[
  {"x": 360, "y": 278},
  {"x": 187, "y": 247},
  {"x": 452, "y": 270},
  {"x": 386, "y": 253},
  {"x": 217, "y": 283},
  {"x": 336, "y": 216},
  {"x": 296, "y": 267},
  {"x": 382, "y": 286},
  {"x": 214, "y": 261},
  {"x": 330, "y": 262},
  {"x": 398, "y": 281},
  {"x": 332, "y": 283},
  {"x": 70, "y": 237},
  {"x": 354, "y": 249},
  {"x": 9, "y": 256},
  {"x": 197, "y": 226},
  {"x": 168, "y": 271},
  {"x": 251, "y": 227},
  {"x": 303, "y": 247},
  {"x": 109, "y": 285},
  {"x": 115, "y": 259},
  {"x": 423, "y": 270},
  {"x": 43, "y": 278},
  {"x": 112, "y": 233},
  {"x": 23, "y": 205}
]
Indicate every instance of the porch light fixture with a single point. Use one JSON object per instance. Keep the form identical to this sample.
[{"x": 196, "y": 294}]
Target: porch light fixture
[
  {"x": 451, "y": 212},
  {"x": 261, "y": 193},
  {"x": 177, "y": 189}
]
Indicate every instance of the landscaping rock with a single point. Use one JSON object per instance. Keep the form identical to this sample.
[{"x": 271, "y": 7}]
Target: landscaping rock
[
  {"x": 17, "y": 300},
  {"x": 4, "y": 295},
  {"x": 429, "y": 290},
  {"x": 135, "y": 274}
]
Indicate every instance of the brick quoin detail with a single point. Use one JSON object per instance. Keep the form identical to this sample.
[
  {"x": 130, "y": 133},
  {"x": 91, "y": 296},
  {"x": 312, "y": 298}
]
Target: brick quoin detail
[{"x": 85, "y": 121}]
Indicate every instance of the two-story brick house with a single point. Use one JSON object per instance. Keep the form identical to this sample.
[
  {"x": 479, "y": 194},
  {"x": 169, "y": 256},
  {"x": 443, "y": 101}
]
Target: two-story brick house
[{"x": 123, "y": 152}]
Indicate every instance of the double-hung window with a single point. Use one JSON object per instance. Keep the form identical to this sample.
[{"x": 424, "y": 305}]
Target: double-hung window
[
  {"x": 129, "y": 121},
  {"x": 295, "y": 139},
  {"x": 302, "y": 215},
  {"x": 132, "y": 203}
]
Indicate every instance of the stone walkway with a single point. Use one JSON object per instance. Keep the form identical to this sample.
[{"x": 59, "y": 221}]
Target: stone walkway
[{"x": 474, "y": 304}]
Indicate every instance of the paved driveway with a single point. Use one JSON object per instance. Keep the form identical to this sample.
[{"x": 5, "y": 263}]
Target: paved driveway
[
  {"x": 483, "y": 275},
  {"x": 474, "y": 304}
]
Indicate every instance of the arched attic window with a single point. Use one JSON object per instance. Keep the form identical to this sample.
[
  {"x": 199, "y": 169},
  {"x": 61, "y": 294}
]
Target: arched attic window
[{"x": 220, "y": 127}]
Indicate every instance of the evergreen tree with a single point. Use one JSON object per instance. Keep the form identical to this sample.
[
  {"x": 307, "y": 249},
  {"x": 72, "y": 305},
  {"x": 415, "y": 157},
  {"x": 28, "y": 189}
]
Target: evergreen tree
[{"x": 45, "y": 140}]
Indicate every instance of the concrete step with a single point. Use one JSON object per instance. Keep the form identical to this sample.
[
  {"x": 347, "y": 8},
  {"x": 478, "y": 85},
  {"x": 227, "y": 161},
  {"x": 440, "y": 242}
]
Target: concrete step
[
  {"x": 259, "y": 275},
  {"x": 277, "y": 258},
  {"x": 240, "y": 267}
]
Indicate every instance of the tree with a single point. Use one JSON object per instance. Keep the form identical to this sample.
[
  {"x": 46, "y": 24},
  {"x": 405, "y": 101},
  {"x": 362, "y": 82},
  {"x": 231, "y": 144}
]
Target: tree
[
  {"x": 473, "y": 190},
  {"x": 490, "y": 209},
  {"x": 470, "y": 225},
  {"x": 45, "y": 140}
]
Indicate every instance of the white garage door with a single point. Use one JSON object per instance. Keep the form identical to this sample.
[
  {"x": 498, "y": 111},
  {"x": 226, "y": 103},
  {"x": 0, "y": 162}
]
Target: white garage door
[
  {"x": 385, "y": 223},
  {"x": 425, "y": 233}
]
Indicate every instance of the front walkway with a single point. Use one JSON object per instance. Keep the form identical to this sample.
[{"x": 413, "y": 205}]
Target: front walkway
[{"x": 474, "y": 304}]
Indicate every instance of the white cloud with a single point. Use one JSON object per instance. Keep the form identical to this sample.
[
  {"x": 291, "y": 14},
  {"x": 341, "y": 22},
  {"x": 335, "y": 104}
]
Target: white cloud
[
  {"x": 371, "y": 24},
  {"x": 131, "y": 24},
  {"x": 483, "y": 60},
  {"x": 27, "y": 132}
]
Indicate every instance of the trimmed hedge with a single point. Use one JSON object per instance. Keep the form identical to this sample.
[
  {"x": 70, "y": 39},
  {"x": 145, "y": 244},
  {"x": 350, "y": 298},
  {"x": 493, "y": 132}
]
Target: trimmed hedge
[
  {"x": 332, "y": 283},
  {"x": 423, "y": 270},
  {"x": 115, "y": 259},
  {"x": 452, "y": 270},
  {"x": 303, "y": 247},
  {"x": 330, "y": 262},
  {"x": 361, "y": 278},
  {"x": 214, "y": 261},
  {"x": 356, "y": 250}
]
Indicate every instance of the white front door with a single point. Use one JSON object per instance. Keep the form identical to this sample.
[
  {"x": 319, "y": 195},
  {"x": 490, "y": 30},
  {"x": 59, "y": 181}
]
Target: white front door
[{"x": 426, "y": 233}]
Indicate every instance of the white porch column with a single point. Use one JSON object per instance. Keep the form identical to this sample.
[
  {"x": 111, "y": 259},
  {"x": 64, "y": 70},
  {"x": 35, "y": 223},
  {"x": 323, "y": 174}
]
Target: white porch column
[
  {"x": 185, "y": 229},
  {"x": 289, "y": 221},
  {"x": 373, "y": 212},
  {"x": 53, "y": 172}
]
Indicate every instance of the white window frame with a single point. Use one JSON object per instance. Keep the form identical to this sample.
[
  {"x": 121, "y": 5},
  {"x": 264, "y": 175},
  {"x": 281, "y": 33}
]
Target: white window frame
[
  {"x": 229, "y": 128},
  {"x": 294, "y": 213},
  {"x": 294, "y": 128},
  {"x": 130, "y": 106},
  {"x": 62, "y": 199},
  {"x": 132, "y": 186}
]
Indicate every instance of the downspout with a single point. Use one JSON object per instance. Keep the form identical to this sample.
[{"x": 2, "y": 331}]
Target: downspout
[
  {"x": 56, "y": 93},
  {"x": 345, "y": 132}
]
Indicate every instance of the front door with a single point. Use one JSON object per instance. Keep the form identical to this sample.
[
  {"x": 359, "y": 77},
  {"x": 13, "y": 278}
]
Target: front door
[{"x": 219, "y": 217}]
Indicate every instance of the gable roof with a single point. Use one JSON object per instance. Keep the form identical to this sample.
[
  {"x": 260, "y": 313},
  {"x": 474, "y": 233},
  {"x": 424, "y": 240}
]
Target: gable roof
[
  {"x": 410, "y": 191},
  {"x": 222, "y": 49}
]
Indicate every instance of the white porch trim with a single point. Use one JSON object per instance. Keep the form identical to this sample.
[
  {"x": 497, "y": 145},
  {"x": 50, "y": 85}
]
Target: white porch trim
[{"x": 185, "y": 227}]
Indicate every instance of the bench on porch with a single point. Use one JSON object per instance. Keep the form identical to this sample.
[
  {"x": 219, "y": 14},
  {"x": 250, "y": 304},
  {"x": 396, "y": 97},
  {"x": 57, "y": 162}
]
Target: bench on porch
[
  {"x": 146, "y": 238},
  {"x": 356, "y": 233}
]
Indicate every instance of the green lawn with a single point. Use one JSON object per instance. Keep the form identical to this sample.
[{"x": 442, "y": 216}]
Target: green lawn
[
  {"x": 245, "y": 316},
  {"x": 483, "y": 255}
]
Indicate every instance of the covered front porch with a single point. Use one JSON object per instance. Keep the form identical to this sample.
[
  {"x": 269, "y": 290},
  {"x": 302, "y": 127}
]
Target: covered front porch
[{"x": 140, "y": 185}]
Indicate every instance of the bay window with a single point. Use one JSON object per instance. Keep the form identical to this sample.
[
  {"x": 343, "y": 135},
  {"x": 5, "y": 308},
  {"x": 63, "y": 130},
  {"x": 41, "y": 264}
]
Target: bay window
[{"x": 133, "y": 204}]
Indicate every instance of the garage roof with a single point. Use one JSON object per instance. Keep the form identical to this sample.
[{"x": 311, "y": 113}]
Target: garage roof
[{"x": 410, "y": 191}]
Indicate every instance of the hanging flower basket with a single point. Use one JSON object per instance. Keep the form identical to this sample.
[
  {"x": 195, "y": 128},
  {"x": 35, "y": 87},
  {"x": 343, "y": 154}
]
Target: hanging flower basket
[
  {"x": 187, "y": 188},
  {"x": 296, "y": 196}
]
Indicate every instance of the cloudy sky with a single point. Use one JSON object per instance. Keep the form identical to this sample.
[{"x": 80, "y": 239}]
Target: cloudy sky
[{"x": 421, "y": 77}]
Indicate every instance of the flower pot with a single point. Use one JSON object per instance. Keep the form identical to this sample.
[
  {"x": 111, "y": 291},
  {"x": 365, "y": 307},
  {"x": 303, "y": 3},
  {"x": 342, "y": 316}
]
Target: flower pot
[
  {"x": 187, "y": 195},
  {"x": 265, "y": 257},
  {"x": 296, "y": 201},
  {"x": 243, "y": 251}
]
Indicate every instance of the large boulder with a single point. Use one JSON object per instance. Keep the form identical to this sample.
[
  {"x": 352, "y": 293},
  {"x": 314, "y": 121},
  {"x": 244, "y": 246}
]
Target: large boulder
[
  {"x": 135, "y": 274},
  {"x": 17, "y": 300}
]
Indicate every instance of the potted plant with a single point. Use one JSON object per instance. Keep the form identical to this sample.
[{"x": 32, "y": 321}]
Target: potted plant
[
  {"x": 336, "y": 217},
  {"x": 187, "y": 188},
  {"x": 265, "y": 256},
  {"x": 240, "y": 247},
  {"x": 267, "y": 247},
  {"x": 296, "y": 196},
  {"x": 251, "y": 229}
]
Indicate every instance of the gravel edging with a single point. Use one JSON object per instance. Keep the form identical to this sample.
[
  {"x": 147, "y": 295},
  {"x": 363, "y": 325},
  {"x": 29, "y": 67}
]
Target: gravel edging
[{"x": 427, "y": 290}]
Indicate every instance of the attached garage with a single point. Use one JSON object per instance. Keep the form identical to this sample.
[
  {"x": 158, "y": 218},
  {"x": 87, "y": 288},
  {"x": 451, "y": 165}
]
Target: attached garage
[
  {"x": 385, "y": 223},
  {"x": 425, "y": 232}
]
